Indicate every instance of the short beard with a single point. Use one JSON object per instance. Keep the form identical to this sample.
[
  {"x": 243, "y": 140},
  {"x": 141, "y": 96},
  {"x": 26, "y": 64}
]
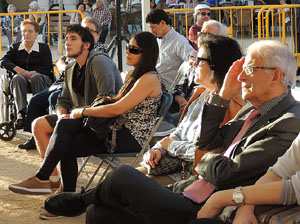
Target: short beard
[{"x": 78, "y": 54}]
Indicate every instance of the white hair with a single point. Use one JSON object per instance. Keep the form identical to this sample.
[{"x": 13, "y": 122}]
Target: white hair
[
  {"x": 275, "y": 54},
  {"x": 222, "y": 29},
  {"x": 10, "y": 6},
  {"x": 34, "y": 5}
]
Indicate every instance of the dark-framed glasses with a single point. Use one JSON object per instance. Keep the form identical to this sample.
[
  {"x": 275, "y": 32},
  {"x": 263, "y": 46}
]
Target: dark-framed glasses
[
  {"x": 91, "y": 31},
  {"x": 204, "y": 13},
  {"x": 201, "y": 60},
  {"x": 133, "y": 49},
  {"x": 250, "y": 69}
]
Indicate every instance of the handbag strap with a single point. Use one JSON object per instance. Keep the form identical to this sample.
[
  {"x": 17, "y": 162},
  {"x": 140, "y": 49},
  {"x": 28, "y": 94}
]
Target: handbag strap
[{"x": 114, "y": 128}]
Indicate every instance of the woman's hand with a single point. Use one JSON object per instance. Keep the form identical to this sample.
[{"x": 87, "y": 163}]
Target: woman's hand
[
  {"x": 152, "y": 157},
  {"x": 77, "y": 113},
  {"x": 232, "y": 86}
]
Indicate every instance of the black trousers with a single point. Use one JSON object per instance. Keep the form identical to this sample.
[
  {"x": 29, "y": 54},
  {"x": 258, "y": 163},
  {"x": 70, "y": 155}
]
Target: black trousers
[
  {"x": 127, "y": 196},
  {"x": 69, "y": 141}
]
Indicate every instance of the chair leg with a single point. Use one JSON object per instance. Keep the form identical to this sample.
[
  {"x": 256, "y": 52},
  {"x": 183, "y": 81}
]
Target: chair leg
[{"x": 84, "y": 160}]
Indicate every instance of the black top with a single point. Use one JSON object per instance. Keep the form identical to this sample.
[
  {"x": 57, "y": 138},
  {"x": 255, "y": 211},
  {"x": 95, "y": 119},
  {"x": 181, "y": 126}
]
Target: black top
[
  {"x": 79, "y": 79},
  {"x": 35, "y": 61}
]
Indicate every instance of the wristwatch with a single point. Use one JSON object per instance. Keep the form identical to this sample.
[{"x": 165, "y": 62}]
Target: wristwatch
[{"x": 238, "y": 197}]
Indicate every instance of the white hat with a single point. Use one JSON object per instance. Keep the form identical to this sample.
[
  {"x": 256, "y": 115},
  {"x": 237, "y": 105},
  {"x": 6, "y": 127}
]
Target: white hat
[{"x": 201, "y": 6}]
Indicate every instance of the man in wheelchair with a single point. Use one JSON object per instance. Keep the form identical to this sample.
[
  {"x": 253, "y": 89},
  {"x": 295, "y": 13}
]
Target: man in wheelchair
[{"x": 31, "y": 63}]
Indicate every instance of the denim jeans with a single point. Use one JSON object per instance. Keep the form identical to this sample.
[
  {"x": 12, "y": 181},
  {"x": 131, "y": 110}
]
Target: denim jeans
[{"x": 38, "y": 106}]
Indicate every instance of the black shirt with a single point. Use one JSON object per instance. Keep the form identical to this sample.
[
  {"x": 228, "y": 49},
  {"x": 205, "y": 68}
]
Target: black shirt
[{"x": 79, "y": 79}]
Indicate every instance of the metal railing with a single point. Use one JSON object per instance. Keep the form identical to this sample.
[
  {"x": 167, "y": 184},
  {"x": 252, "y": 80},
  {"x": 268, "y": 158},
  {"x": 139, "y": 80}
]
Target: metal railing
[
  {"x": 267, "y": 20},
  {"x": 48, "y": 26}
]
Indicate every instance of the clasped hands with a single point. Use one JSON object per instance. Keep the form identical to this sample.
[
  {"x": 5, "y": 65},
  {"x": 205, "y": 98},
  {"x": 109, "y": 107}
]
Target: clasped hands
[{"x": 23, "y": 72}]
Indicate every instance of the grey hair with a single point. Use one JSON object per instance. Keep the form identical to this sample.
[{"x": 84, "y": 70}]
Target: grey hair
[
  {"x": 94, "y": 21},
  {"x": 11, "y": 6},
  {"x": 34, "y": 5},
  {"x": 99, "y": 1},
  {"x": 275, "y": 54},
  {"x": 222, "y": 29}
]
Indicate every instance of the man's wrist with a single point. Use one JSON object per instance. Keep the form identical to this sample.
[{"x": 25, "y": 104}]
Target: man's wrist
[{"x": 218, "y": 101}]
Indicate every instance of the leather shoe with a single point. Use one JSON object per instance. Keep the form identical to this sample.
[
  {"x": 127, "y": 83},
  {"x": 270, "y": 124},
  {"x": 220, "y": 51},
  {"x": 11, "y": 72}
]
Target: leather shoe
[
  {"x": 30, "y": 144},
  {"x": 19, "y": 124},
  {"x": 66, "y": 204}
]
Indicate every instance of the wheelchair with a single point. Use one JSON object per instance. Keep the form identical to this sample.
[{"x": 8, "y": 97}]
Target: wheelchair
[{"x": 8, "y": 109}]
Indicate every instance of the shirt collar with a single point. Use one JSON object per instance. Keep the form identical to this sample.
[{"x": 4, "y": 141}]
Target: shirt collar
[
  {"x": 267, "y": 106},
  {"x": 168, "y": 35},
  {"x": 35, "y": 47}
]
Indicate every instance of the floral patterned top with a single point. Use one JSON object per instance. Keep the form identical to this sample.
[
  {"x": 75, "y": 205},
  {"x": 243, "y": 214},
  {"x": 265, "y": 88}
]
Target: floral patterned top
[{"x": 140, "y": 120}]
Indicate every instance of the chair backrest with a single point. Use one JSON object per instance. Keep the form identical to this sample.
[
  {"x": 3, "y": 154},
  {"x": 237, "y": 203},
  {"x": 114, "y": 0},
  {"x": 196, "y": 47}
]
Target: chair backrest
[
  {"x": 241, "y": 18},
  {"x": 184, "y": 67}
]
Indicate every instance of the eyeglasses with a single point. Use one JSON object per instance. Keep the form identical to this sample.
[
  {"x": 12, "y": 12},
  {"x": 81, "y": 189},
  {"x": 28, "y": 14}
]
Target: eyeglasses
[
  {"x": 250, "y": 69},
  {"x": 133, "y": 49},
  {"x": 200, "y": 60},
  {"x": 204, "y": 13},
  {"x": 92, "y": 31},
  {"x": 27, "y": 31}
]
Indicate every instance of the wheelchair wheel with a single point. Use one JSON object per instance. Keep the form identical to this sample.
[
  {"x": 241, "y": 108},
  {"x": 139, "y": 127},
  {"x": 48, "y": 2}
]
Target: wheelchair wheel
[{"x": 7, "y": 131}]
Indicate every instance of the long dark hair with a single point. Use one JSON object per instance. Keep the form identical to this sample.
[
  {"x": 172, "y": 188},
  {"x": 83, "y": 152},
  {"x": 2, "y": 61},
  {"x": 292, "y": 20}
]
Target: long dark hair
[{"x": 147, "y": 42}]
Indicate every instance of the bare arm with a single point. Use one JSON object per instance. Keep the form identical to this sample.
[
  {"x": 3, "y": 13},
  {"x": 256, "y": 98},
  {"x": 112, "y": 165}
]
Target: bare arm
[{"x": 137, "y": 94}]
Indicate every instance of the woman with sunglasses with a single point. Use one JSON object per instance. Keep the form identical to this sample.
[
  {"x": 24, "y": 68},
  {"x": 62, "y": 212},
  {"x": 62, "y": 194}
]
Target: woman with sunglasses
[
  {"x": 215, "y": 55},
  {"x": 137, "y": 102}
]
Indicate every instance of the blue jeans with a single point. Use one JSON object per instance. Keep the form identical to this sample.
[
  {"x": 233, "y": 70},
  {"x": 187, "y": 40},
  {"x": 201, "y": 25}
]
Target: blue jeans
[
  {"x": 38, "y": 106},
  {"x": 103, "y": 34}
]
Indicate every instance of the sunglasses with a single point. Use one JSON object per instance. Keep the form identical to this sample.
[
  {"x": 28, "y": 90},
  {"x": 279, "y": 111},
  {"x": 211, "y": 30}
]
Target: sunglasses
[
  {"x": 133, "y": 49},
  {"x": 200, "y": 60},
  {"x": 204, "y": 13}
]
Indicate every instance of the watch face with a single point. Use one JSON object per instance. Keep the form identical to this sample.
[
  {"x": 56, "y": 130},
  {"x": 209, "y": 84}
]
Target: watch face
[{"x": 238, "y": 197}]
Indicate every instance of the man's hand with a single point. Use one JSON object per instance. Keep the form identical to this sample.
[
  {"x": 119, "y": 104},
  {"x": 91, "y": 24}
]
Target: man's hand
[
  {"x": 62, "y": 116},
  {"x": 245, "y": 215},
  {"x": 152, "y": 157},
  {"x": 211, "y": 208},
  {"x": 231, "y": 85},
  {"x": 181, "y": 101}
]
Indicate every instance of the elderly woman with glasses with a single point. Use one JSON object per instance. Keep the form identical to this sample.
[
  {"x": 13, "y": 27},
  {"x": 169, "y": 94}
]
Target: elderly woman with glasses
[{"x": 215, "y": 55}]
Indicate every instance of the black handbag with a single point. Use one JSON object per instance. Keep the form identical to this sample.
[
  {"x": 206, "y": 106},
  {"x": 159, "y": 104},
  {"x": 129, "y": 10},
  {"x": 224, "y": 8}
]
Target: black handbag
[{"x": 99, "y": 126}]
